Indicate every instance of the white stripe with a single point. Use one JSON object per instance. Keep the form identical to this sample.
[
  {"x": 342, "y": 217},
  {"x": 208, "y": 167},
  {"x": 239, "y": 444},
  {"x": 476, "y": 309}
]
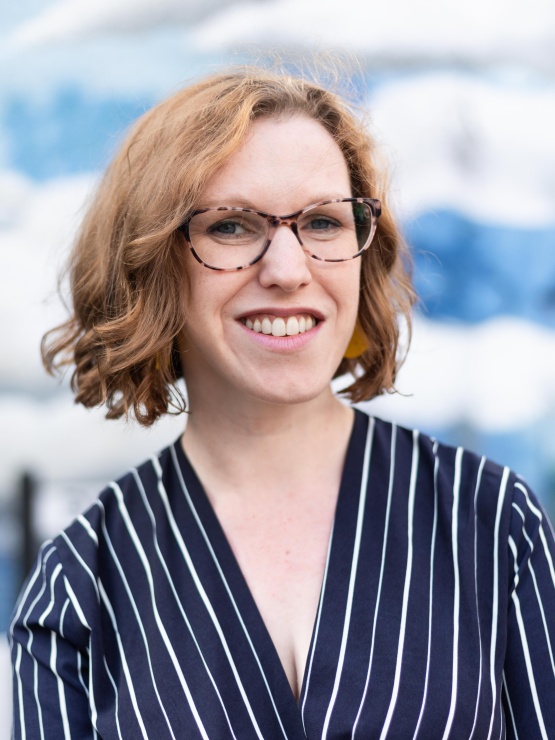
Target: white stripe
[
  {"x": 430, "y": 598},
  {"x": 38, "y": 568},
  {"x": 203, "y": 593},
  {"x": 75, "y": 603},
  {"x": 476, "y": 490},
  {"x": 317, "y": 626},
  {"x": 536, "y": 588},
  {"x": 53, "y": 578},
  {"x": 162, "y": 630},
  {"x": 35, "y": 601},
  {"x": 531, "y": 505},
  {"x": 116, "y": 695},
  {"x": 524, "y": 643},
  {"x": 542, "y": 519},
  {"x": 106, "y": 602},
  {"x": 495, "y": 596},
  {"x": 61, "y": 688},
  {"x": 36, "y": 691},
  {"x": 510, "y": 706},
  {"x": 408, "y": 574},
  {"x": 90, "y": 692},
  {"x": 62, "y": 616},
  {"x": 84, "y": 522},
  {"x": 517, "y": 508},
  {"x": 84, "y": 566},
  {"x": 79, "y": 673},
  {"x": 352, "y": 578},
  {"x": 20, "y": 693},
  {"x": 456, "y": 604},
  {"x": 382, "y": 567},
  {"x": 175, "y": 594}
]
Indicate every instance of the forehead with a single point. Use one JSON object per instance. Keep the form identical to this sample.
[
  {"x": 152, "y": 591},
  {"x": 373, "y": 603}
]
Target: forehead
[{"x": 284, "y": 164}]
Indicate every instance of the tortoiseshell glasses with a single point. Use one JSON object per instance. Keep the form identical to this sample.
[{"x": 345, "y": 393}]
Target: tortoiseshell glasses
[{"x": 231, "y": 238}]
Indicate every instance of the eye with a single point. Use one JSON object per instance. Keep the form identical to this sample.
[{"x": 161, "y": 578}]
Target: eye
[
  {"x": 229, "y": 227},
  {"x": 322, "y": 223},
  {"x": 320, "y": 226}
]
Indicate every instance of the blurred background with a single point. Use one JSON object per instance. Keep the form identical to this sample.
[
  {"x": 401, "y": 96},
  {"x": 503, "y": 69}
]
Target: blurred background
[{"x": 462, "y": 101}]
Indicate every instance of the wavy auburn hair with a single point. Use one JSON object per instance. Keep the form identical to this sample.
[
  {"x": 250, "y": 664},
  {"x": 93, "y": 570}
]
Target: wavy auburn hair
[{"x": 126, "y": 267}]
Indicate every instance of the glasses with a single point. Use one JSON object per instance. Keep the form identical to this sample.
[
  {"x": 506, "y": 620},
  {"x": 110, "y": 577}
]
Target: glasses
[{"x": 231, "y": 238}]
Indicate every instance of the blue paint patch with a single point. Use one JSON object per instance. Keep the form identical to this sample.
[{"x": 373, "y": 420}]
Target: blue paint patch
[
  {"x": 468, "y": 271},
  {"x": 9, "y": 583},
  {"x": 68, "y": 134}
]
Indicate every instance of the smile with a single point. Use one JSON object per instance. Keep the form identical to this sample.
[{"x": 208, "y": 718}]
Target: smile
[{"x": 279, "y": 326}]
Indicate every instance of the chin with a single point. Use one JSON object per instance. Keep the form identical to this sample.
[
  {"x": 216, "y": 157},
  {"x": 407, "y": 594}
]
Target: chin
[{"x": 293, "y": 392}]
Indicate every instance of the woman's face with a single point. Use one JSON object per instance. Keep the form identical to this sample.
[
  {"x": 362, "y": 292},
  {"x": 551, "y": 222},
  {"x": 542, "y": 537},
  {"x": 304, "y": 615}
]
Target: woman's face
[{"x": 284, "y": 165}]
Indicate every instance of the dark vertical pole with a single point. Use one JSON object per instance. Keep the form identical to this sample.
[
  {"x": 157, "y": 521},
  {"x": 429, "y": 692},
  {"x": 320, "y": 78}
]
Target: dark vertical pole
[{"x": 27, "y": 489}]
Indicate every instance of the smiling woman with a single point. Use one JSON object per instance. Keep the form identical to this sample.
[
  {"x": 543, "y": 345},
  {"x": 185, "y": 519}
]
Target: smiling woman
[
  {"x": 289, "y": 567},
  {"x": 285, "y": 162}
]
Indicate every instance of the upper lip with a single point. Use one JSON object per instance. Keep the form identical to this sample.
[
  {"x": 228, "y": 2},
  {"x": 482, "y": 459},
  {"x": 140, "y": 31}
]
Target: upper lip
[{"x": 283, "y": 312}]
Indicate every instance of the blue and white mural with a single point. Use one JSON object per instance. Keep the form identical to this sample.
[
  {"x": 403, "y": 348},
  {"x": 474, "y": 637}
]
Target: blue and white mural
[{"x": 462, "y": 100}]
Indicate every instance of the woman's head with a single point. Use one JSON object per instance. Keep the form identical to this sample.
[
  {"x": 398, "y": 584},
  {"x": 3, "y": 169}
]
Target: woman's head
[{"x": 127, "y": 267}]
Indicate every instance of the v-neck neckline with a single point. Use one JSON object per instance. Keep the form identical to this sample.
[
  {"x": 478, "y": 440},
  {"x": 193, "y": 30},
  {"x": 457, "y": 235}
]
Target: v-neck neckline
[{"x": 249, "y": 611}]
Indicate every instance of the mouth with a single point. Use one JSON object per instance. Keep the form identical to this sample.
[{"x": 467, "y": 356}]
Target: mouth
[{"x": 280, "y": 326}]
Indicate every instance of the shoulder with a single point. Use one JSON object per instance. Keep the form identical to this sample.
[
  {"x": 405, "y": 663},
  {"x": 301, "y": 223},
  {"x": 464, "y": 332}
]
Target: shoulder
[
  {"x": 47, "y": 602},
  {"x": 457, "y": 476},
  {"x": 468, "y": 498},
  {"x": 124, "y": 514}
]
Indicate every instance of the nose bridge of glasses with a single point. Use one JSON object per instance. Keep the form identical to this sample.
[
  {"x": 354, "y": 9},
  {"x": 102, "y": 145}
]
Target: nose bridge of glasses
[{"x": 290, "y": 221}]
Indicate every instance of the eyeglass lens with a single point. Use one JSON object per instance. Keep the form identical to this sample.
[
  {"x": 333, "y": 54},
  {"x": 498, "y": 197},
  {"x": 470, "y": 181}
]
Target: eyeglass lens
[{"x": 228, "y": 239}]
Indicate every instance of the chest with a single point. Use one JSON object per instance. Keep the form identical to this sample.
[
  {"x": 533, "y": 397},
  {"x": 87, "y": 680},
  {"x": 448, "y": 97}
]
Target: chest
[
  {"x": 281, "y": 551},
  {"x": 362, "y": 658}
]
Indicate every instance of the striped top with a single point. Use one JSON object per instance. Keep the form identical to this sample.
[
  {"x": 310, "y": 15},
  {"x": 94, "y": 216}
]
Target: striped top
[{"x": 436, "y": 617}]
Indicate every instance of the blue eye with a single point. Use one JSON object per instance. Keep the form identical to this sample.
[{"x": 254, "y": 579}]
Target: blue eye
[
  {"x": 320, "y": 223},
  {"x": 226, "y": 228}
]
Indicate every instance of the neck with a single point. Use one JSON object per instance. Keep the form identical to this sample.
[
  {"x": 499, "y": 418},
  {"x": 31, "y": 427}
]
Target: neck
[{"x": 235, "y": 447}]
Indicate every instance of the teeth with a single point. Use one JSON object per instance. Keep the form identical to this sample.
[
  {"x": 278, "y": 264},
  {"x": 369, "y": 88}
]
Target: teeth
[
  {"x": 280, "y": 327},
  {"x": 292, "y": 326}
]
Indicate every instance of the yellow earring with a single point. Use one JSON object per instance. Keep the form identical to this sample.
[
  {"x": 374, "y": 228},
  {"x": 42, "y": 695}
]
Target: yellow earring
[{"x": 357, "y": 346}]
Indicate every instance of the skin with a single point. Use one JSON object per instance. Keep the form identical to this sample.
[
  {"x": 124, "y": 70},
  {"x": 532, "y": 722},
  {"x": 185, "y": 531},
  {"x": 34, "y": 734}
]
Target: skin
[{"x": 265, "y": 434}]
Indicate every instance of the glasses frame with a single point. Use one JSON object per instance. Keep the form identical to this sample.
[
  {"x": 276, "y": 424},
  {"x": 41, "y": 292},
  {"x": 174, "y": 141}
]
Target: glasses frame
[{"x": 276, "y": 221}]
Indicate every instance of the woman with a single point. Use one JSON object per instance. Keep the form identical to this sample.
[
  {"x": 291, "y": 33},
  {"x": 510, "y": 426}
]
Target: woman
[{"x": 290, "y": 567}]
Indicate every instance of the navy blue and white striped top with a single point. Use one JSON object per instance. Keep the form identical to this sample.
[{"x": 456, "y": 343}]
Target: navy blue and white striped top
[{"x": 436, "y": 616}]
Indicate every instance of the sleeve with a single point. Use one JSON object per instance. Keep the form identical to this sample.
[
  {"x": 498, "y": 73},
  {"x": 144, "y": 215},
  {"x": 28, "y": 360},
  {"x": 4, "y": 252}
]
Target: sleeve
[
  {"x": 49, "y": 641},
  {"x": 529, "y": 669}
]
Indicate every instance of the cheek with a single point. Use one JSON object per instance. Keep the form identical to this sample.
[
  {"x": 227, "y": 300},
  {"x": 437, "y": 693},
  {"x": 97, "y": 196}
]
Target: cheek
[
  {"x": 348, "y": 288},
  {"x": 200, "y": 290},
  {"x": 209, "y": 294}
]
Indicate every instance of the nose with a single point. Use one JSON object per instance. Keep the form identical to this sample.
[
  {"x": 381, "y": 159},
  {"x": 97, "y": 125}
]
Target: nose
[{"x": 285, "y": 263}]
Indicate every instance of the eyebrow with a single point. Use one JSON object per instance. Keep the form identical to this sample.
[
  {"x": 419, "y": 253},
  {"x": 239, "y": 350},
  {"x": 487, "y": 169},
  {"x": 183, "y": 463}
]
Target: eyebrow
[{"x": 242, "y": 202}]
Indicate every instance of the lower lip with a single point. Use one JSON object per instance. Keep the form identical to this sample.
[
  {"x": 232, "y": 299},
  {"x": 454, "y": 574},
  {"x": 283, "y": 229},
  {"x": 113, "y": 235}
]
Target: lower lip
[{"x": 283, "y": 344}]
